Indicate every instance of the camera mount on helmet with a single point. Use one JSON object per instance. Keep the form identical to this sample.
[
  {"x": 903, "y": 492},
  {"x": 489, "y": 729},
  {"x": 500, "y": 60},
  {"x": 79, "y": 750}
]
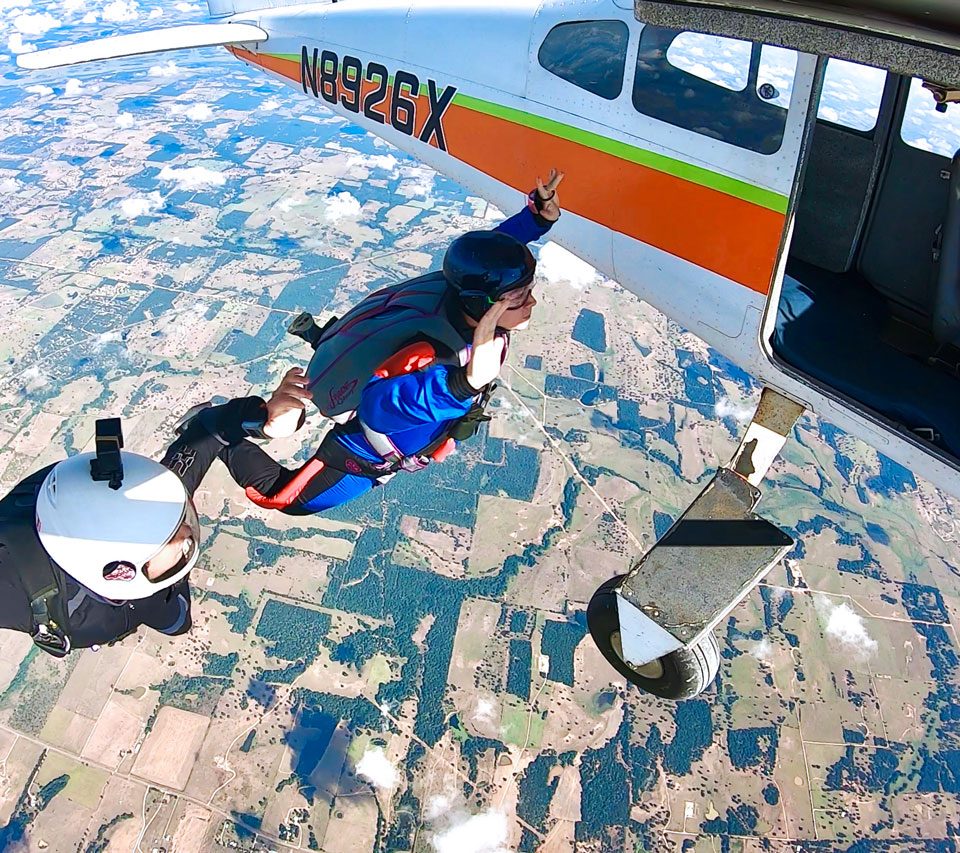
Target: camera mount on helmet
[{"x": 108, "y": 464}]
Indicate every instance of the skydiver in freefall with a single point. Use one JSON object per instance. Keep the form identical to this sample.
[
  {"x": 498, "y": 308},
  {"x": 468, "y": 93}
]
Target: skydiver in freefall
[
  {"x": 404, "y": 374},
  {"x": 96, "y": 545}
]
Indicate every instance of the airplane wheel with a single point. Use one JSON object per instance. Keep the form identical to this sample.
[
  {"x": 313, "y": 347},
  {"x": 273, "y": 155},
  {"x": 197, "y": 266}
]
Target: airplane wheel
[{"x": 682, "y": 674}]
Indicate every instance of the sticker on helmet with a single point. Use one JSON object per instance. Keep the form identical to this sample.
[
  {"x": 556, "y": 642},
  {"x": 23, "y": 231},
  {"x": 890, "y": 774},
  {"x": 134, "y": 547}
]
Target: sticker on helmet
[{"x": 119, "y": 570}]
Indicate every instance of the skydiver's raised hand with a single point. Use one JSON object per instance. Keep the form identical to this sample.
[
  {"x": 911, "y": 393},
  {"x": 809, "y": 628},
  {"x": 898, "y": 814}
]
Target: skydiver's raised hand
[
  {"x": 486, "y": 355},
  {"x": 548, "y": 204},
  {"x": 285, "y": 408}
]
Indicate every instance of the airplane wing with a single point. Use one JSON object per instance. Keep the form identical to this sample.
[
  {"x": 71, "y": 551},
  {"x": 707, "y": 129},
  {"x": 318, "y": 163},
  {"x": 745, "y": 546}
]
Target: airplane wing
[{"x": 137, "y": 44}]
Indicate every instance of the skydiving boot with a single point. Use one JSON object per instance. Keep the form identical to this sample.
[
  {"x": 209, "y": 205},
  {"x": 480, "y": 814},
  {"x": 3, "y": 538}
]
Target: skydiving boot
[
  {"x": 180, "y": 427},
  {"x": 229, "y": 422}
]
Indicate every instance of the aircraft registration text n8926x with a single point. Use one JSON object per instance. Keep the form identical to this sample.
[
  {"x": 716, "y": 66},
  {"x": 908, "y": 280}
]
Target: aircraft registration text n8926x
[{"x": 367, "y": 89}]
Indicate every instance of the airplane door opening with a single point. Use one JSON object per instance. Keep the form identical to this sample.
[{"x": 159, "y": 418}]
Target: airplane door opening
[{"x": 870, "y": 303}]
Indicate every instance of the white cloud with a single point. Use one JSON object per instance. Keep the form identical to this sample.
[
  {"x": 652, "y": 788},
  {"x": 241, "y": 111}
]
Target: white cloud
[
  {"x": 9, "y": 185},
  {"x": 270, "y": 104},
  {"x": 193, "y": 178},
  {"x": 125, "y": 120},
  {"x": 199, "y": 112},
  {"x": 845, "y": 626},
  {"x": 186, "y": 7},
  {"x": 740, "y": 412},
  {"x": 90, "y": 18},
  {"x": 762, "y": 651},
  {"x": 460, "y": 832},
  {"x": 287, "y": 203},
  {"x": 438, "y": 805},
  {"x": 33, "y": 379},
  {"x": 16, "y": 44},
  {"x": 39, "y": 89},
  {"x": 73, "y": 5},
  {"x": 557, "y": 265},
  {"x": 121, "y": 10},
  {"x": 168, "y": 69},
  {"x": 7, "y": 5},
  {"x": 156, "y": 12},
  {"x": 341, "y": 206},
  {"x": 419, "y": 183},
  {"x": 73, "y": 87},
  {"x": 35, "y": 25},
  {"x": 106, "y": 338},
  {"x": 141, "y": 205},
  {"x": 373, "y": 161},
  {"x": 484, "y": 710},
  {"x": 376, "y": 768}
]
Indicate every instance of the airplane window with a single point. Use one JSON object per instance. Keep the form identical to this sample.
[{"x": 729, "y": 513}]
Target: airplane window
[
  {"x": 851, "y": 94},
  {"x": 697, "y": 91},
  {"x": 778, "y": 67},
  {"x": 722, "y": 61},
  {"x": 589, "y": 54},
  {"x": 923, "y": 127}
]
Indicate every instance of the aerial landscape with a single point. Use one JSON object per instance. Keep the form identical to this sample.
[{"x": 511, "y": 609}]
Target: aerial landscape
[{"x": 413, "y": 671}]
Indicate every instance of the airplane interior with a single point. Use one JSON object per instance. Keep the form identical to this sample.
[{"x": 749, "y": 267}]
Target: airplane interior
[{"x": 870, "y": 303}]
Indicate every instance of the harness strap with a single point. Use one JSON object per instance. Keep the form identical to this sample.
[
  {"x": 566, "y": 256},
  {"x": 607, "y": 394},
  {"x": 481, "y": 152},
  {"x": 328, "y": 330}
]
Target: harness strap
[{"x": 49, "y": 634}]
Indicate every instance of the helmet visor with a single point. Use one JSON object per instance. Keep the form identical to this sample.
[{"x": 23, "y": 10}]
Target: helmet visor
[{"x": 179, "y": 551}]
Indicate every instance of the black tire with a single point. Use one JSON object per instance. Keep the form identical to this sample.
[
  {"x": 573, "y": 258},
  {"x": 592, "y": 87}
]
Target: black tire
[{"x": 682, "y": 674}]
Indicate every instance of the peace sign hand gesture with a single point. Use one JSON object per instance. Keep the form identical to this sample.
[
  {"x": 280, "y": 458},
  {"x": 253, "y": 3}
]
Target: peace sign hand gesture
[{"x": 549, "y": 207}]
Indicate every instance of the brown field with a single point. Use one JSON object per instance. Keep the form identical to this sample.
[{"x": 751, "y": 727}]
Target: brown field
[
  {"x": 191, "y": 834},
  {"x": 13, "y": 648},
  {"x": 67, "y": 729},
  {"x": 19, "y": 764},
  {"x": 142, "y": 670},
  {"x": 255, "y": 770},
  {"x": 168, "y": 753},
  {"x": 494, "y": 539},
  {"x": 91, "y": 682},
  {"x": 124, "y": 836},
  {"x": 478, "y": 620},
  {"x": 444, "y": 552},
  {"x": 119, "y": 796},
  {"x": 117, "y": 729},
  {"x": 57, "y": 826}
]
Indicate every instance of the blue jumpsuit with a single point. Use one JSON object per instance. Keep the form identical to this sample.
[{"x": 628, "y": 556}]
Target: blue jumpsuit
[{"x": 413, "y": 409}]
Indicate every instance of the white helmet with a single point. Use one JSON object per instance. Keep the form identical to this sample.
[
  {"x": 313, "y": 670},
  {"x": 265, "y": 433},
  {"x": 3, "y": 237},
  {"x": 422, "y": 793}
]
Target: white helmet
[{"x": 105, "y": 537}]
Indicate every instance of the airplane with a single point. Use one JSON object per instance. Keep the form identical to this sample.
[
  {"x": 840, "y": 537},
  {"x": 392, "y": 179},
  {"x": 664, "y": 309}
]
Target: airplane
[{"x": 816, "y": 248}]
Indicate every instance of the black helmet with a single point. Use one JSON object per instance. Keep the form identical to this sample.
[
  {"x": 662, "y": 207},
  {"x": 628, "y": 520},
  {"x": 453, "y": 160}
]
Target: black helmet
[{"x": 482, "y": 266}]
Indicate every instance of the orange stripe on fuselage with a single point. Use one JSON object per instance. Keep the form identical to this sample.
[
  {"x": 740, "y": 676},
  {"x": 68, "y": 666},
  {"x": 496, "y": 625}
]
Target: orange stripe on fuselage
[{"x": 719, "y": 232}]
